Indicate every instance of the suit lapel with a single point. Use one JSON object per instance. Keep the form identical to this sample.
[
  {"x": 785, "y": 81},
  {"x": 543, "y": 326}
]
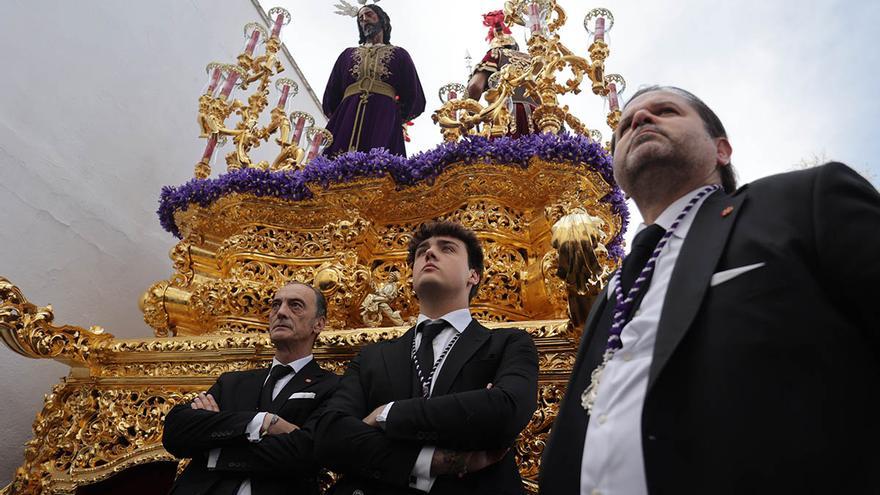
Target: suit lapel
[
  {"x": 595, "y": 312},
  {"x": 398, "y": 364},
  {"x": 299, "y": 381},
  {"x": 470, "y": 340},
  {"x": 248, "y": 395},
  {"x": 692, "y": 273}
]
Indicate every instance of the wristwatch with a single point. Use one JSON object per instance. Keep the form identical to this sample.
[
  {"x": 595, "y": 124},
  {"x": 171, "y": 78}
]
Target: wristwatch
[{"x": 271, "y": 422}]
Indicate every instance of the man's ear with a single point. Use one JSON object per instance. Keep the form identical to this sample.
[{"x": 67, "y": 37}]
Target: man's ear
[
  {"x": 473, "y": 277},
  {"x": 723, "y": 151},
  {"x": 319, "y": 325}
]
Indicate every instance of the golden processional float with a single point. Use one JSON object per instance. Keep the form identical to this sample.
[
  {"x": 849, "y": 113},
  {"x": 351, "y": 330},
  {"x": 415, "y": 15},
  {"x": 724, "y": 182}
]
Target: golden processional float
[{"x": 544, "y": 205}]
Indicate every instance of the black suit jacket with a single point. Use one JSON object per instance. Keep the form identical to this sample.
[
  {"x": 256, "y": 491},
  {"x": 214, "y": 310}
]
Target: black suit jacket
[
  {"x": 461, "y": 414},
  {"x": 277, "y": 463},
  {"x": 768, "y": 382}
]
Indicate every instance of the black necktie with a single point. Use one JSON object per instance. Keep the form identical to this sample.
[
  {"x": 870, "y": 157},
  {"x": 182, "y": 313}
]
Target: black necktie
[
  {"x": 564, "y": 449},
  {"x": 278, "y": 371},
  {"x": 425, "y": 354},
  {"x": 643, "y": 246}
]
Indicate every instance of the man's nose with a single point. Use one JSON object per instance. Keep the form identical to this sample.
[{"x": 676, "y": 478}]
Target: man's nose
[
  {"x": 430, "y": 254},
  {"x": 642, "y": 116},
  {"x": 284, "y": 311}
]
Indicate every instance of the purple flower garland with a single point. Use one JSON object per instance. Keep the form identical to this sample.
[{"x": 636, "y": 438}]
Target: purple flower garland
[{"x": 422, "y": 167}]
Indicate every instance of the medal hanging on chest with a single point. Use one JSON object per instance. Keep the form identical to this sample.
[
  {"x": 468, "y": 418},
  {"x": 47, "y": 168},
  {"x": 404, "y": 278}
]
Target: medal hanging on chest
[{"x": 623, "y": 306}]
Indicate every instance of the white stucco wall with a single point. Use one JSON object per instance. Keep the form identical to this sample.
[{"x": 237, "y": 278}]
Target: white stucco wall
[{"x": 98, "y": 105}]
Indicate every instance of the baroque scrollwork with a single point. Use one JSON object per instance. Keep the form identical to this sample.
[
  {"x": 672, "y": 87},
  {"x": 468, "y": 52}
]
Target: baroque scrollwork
[
  {"x": 484, "y": 216},
  {"x": 502, "y": 281},
  {"x": 181, "y": 257},
  {"x": 92, "y": 431},
  {"x": 239, "y": 298},
  {"x": 532, "y": 440},
  {"x": 27, "y": 329},
  {"x": 287, "y": 244},
  {"x": 152, "y": 304},
  {"x": 211, "y": 315},
  {"x": 537, "y": 77}
]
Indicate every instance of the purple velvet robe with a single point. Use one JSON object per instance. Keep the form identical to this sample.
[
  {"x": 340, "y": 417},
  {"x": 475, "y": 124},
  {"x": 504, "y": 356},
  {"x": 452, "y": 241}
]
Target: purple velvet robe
[{"x": 384, "y": 117}]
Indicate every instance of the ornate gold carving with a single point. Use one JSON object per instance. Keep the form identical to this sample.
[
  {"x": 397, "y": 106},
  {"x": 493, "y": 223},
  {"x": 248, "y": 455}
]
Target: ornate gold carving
[
  {"x": 577, "y": 237},
  {"x": 486, "y": 216},
  {"x": 562, "y": 361},
  {"x": 344, "y": 296},
  {"x": 247, "y": 134},
  {"x": 553, "y": 286},
  {"x": 536, "y": 78},
  {"x": 378, "y": 303},
  {"x": 502, "y": 280},
  {"x": 350, "y": 240},
  {"x": 235, "y": 298},
  {"x": 86, "y": 433},
  {"x": 27, "y": 329},
  {"x": 243, "y": 246},
  {"x": 238, "y": 250},
  {"x": 172, "y": 369},
  {"x": 93, "y": 427},
  {"x": 152, "y": 304},
  {"x": 532, "y": 440},
  {"x": 181, "y": 258}
]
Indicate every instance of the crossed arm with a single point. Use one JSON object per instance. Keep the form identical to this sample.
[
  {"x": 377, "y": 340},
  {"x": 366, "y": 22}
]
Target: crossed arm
[
  {"x": 482, "y": 419},
  {"x": 345, "y": 443},
  {"x": 192, "y": 430},
  {"x": 195, "y": 429},
  {"x": 474, "y": 428}
]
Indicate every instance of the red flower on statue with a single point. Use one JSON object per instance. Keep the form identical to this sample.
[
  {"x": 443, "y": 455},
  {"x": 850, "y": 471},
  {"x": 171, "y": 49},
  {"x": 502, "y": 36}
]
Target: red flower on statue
[{"x": 495, "y": 22}]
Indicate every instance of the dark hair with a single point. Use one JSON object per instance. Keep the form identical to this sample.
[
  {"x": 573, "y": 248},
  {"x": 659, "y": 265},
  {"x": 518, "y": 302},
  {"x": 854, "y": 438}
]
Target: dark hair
[
  {"x": 384, "y": 20},
  {"x": 320, "y": 300},
  {"x": 710, "y": 120},
  {"x": 450, "y": 229}
]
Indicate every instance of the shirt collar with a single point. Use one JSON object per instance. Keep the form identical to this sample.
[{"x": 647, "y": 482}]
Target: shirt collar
[
  {"x": 668, "y": 216},
  {"x": 297, "y": 364},
  {"x": 459, "y": 319}
]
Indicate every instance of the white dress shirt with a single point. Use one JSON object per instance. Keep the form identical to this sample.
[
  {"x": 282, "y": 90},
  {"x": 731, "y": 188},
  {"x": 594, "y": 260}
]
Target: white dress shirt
[
  {"x": 253, "y": 428},
  {"x": 612, "y": 462},
  {"x": 458, "y": 320}
]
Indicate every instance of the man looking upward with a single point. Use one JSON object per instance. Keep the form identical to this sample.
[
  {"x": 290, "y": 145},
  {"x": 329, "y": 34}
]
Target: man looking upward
[
  {"x": 736, "y": 351},
  {"x": 438, "y": 409}
]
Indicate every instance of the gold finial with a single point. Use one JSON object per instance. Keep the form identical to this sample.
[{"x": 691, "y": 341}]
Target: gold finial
[{"x": 535, "y": 76}]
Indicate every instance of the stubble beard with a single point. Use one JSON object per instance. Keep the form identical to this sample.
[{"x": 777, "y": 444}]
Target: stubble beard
[{"x": 657, "y": 169}]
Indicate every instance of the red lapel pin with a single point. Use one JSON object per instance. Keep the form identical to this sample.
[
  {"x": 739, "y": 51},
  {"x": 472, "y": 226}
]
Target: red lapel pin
[{"x": 726, "y": 211}]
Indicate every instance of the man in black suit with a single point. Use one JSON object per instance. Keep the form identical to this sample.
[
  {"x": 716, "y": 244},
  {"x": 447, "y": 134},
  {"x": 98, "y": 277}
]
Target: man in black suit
[
  {"x": 438, "y": 409},
  {"x": 252, "y": 432},
  {"x": 747, "y": 360}
]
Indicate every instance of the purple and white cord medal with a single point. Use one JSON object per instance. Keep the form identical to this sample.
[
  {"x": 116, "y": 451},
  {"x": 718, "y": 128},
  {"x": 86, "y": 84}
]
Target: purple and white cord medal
[{"x": 623, "y": 306}]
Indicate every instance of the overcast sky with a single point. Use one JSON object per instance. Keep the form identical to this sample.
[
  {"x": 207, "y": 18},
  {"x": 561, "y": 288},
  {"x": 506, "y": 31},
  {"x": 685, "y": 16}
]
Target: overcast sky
[{"x": 792, "y": 81}]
